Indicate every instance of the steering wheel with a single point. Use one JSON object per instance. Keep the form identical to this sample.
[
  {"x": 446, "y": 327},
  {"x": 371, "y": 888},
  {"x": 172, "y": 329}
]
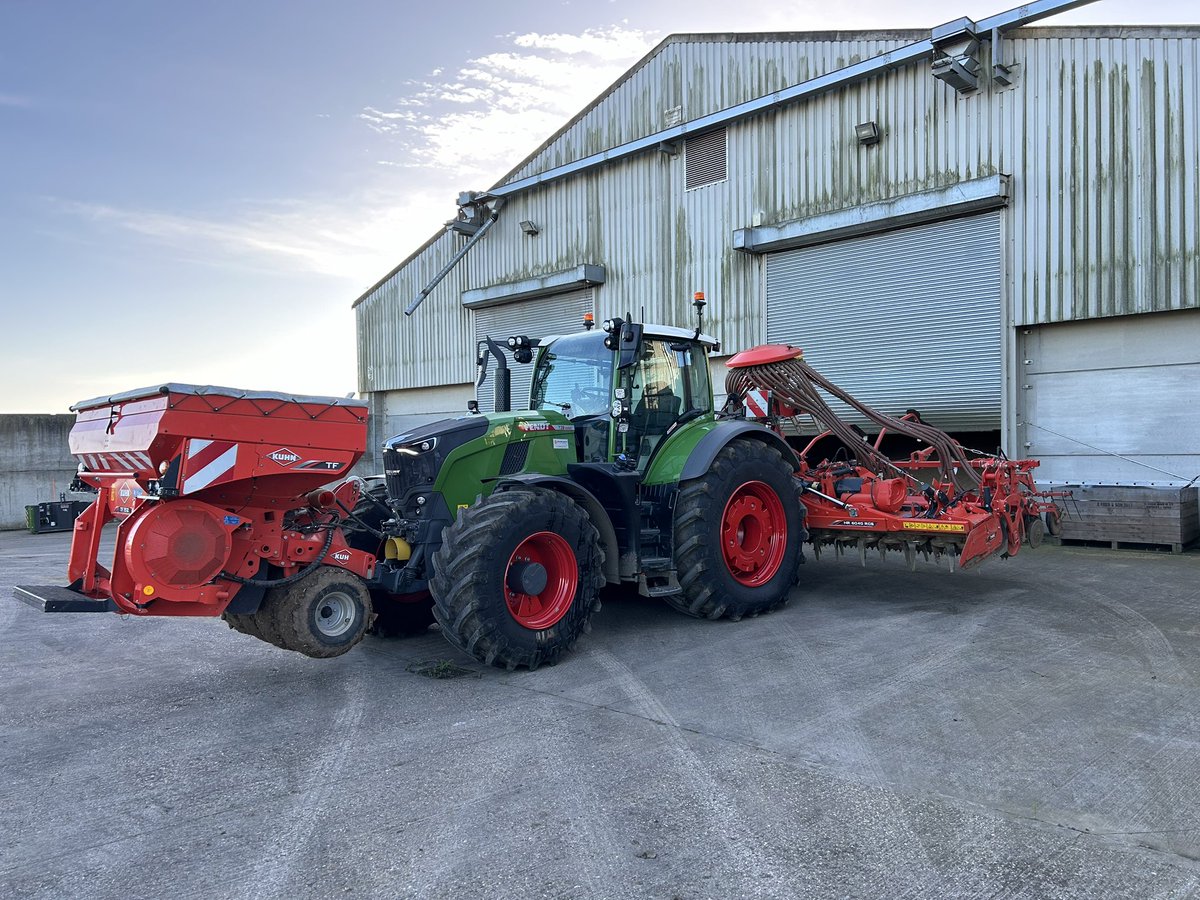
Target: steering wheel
[{"x": 589, "y": 400}]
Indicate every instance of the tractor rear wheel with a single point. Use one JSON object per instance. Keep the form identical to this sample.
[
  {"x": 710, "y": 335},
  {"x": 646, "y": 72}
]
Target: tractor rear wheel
[
  {"x": 738, "y": 531},
  {"x": 518, "y": 577},
  {"x": 321, "y": 615}
]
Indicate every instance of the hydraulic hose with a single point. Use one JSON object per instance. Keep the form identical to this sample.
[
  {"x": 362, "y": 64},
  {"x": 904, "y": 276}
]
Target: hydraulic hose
[{"x": 295, "y": 576}]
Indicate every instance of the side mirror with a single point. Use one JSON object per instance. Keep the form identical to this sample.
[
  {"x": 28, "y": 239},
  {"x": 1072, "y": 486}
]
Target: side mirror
[{"x": 630, "y": 344}]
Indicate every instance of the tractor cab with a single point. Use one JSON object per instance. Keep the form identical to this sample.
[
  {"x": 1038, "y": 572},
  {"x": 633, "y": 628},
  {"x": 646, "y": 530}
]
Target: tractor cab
[{"x": 624, "y": 388}]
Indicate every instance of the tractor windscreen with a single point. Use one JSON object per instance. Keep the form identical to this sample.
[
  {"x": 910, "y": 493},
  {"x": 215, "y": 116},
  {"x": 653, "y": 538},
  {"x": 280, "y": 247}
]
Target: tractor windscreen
[{"x": 574, "y": 375}]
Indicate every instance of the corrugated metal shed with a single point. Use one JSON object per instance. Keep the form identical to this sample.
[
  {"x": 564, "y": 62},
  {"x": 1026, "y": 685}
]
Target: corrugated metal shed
[{"x": 1100, "y": 132}]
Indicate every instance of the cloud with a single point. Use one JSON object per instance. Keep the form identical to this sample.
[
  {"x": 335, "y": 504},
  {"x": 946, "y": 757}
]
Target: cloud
[
  {"x": 354, "y": 239},
  {"x": 449, "y": 132},
  {"x": 481, "y": 119}
]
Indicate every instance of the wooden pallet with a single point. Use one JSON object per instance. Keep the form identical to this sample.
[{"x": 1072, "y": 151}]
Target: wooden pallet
[
  {"x": 1142, "y": 516},
  {"x": 1121, "y": 545}
]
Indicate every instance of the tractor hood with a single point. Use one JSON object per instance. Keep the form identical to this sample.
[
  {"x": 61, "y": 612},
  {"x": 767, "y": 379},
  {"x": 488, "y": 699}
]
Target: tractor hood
[{"x": 444, "y": 431}]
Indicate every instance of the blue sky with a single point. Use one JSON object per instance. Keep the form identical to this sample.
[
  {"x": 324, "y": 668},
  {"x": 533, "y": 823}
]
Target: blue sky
[{"x": 197, "y": 191}]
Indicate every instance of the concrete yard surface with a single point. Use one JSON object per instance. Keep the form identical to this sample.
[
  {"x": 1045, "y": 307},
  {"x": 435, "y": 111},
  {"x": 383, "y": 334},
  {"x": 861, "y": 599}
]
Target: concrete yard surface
[{"x": 1029, "y": 729}]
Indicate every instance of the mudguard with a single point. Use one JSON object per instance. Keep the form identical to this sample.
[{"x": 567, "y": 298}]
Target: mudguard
[
  {"x": 701, "y": 458},
  {"x": 586, "y": 499}
]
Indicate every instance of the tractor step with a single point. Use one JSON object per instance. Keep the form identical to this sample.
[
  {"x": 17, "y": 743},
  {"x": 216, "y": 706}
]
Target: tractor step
[
  {"x": 56, "y": 598},
  {"x": 657, "y": 578}
]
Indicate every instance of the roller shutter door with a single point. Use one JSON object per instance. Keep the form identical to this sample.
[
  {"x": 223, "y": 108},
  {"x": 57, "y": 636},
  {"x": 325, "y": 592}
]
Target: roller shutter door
[
  {"x": 907, "y": 318},
  {"x": 545, "y": 316},
  {"x": 1113, "y": 401}
]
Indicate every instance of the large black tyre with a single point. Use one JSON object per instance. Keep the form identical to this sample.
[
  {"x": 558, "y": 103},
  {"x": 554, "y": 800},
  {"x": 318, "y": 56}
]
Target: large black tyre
[
  {"x": 400, "y": 617},
  {"x": 738, "y": 531},
  {"x": 517, "y": 578},
  {"x": 321, "y": 615}
]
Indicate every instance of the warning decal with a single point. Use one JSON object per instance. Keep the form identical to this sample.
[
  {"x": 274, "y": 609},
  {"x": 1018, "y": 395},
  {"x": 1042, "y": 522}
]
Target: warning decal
[{"x": 934, "y": 526}]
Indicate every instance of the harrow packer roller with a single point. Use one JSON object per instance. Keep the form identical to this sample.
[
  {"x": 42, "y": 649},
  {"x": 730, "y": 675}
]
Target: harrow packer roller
[{"x": 972, "y": 507}]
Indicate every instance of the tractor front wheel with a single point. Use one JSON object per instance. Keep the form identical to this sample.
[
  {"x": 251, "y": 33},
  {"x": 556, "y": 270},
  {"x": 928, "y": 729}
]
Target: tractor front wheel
[
  {"x": 738, "y": 531},
  {"x": 517, "y": 578}
]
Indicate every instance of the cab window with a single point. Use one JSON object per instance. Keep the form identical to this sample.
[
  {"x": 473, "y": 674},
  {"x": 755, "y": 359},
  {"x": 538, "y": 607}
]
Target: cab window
[
  {"x": 669, "y": 382},
  {"x": 574, "y": 375}
]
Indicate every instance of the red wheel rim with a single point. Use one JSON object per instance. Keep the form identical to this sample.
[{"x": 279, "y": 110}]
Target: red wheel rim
[
  {"x": 538, "y": 611},
  {"x": 753, "y": 534}
]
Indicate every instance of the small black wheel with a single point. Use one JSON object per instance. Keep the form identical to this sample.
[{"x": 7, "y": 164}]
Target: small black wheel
[
  {"x": 738, "y": 531},
  {"x": 321, "y": 615},
  {"x": 401, "y": 615},
  {"x": 1054, "y": 522},
  {"x": 518, "y": 577}
]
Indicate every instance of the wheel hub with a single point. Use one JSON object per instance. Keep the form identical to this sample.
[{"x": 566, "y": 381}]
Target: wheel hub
[
  {"x": 540, "y": 580},
  {"x": 335, "y": 614},
  {"x": 527, "y": 577},
  {"x": 753, "y": 534}
]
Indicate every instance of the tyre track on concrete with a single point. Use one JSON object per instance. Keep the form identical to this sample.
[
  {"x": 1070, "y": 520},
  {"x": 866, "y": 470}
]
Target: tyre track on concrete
[
  {"x": 937, "y": 665},
  {"x": 736, "y": 832},
  {"x": 1160, "y": 656},
  {"x": 446, "y": 868},
  {"x": 1174, "y": 716},
  {"x": 927, "y": 880},
  {"x": 292, "y": 829}
]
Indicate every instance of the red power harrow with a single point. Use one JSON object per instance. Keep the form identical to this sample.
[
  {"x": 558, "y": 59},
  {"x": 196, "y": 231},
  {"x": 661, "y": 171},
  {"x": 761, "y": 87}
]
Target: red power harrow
[{"x": 944, "y": 501}]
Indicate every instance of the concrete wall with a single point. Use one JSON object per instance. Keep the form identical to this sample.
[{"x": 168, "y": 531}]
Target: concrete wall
[{"x": 35, "y": 464}]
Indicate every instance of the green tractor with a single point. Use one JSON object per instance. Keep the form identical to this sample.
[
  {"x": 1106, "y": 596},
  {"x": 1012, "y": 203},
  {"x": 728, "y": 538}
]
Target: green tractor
[{"x": 505, "y": 526}]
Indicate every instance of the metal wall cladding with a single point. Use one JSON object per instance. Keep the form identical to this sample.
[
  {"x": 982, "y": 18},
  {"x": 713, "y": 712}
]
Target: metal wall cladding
[
  {"x": 1100, "y": 132},
  {"x": 689, "y": 76},
  {"x": 431, "y": 347},
  {"x": 1109, "y": 218}
]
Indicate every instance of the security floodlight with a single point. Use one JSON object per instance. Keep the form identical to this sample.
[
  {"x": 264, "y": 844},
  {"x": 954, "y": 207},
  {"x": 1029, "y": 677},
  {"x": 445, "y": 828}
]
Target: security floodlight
[{"x": 867, "y": 133}]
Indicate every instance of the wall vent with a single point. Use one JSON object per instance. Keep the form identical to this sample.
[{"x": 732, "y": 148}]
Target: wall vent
[{"x": 704, "y": 159}]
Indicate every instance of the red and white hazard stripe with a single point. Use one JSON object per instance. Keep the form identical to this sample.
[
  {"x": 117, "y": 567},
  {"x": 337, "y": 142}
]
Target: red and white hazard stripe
[
  {"x": 756, "y": 404},
  {"x": 112, "y": 461},
  {"x": 208, "y": 462}
]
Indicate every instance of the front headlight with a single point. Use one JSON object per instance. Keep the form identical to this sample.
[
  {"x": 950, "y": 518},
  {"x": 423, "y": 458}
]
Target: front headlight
[{"x": 416, "y": 448}]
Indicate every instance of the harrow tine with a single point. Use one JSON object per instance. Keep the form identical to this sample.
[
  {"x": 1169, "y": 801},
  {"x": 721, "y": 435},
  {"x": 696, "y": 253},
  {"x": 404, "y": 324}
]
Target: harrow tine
[
  {"x": 862, "y": 552},
  {"x": 910, "y": 556}
]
